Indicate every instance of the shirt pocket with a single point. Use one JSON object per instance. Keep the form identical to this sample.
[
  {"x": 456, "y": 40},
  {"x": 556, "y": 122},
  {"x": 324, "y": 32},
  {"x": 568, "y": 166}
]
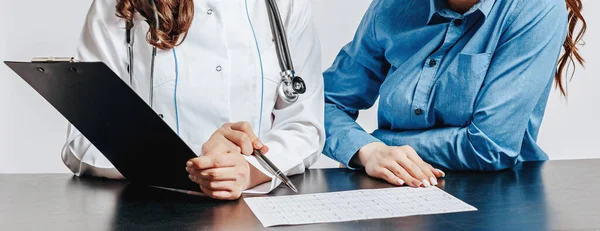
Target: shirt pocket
[
  {"x": 165, "y": 69},
  {"x": 271, "y": 83},
  {"x": 470, "y": 65},
  {"x": 272, "y": 76},
  {"x": 458, "y": 89},
  {"x": 270, "y": 96}
]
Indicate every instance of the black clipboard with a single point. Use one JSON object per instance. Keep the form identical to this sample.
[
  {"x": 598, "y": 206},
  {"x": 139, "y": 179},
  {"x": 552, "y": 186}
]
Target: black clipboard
[{"x": 113, "y": 118}]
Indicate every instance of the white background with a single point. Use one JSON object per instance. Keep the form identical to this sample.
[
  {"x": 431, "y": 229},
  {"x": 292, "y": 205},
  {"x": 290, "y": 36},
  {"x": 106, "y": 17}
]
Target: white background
[{"x": 32, "y": 132}]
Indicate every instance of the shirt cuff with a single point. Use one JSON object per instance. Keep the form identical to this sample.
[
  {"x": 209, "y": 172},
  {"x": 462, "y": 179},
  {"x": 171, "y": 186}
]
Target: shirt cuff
[
  {"x": 266, "y": 187},
  {"x": 348, "y": 145},
  {"x": 276, "y": 155}
]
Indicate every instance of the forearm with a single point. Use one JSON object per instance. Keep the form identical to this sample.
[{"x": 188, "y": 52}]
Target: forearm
[
  {"x": 82, "y": 158},
  {"x": 344, "y": 136},
  {"x": 454, "y": 148}
]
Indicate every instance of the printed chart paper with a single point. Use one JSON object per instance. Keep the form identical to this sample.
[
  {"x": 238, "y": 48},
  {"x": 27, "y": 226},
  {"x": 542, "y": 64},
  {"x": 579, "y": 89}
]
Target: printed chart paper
[{"x": 354, "y": 205}]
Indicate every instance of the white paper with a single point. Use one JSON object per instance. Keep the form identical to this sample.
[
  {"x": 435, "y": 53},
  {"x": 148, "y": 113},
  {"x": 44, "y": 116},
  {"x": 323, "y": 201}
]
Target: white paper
[{"x": 354, "y": 205}]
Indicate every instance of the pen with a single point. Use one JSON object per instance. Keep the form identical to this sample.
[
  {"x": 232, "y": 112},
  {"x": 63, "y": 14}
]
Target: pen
[{"x": 273, "y": 169}]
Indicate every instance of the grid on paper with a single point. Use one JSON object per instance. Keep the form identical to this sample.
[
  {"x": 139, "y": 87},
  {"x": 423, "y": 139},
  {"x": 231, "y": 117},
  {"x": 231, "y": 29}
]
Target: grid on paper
[{"x": 354, "y": 205}]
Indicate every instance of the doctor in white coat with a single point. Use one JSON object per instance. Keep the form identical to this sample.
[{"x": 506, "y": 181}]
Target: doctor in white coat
[{"x": 215, "y": 82}]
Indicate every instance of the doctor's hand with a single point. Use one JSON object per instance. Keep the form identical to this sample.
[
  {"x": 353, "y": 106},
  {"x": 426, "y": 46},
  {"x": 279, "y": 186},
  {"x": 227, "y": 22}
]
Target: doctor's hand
[
  {"x": 233, "y": 138},
  {"x": 397, "y": 165},
  {"x": 222, "y": 176}
]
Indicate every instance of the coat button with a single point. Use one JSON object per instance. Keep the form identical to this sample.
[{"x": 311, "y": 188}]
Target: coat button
[
  {"x": 432, "y": 63},
  {"x": 418, "y": 111},
  {"x": 458, "y": 22},
  {"x": 161, "y": 116},
  {"x": 219, "y": 68},
  {"x": 209, "y": 11}
]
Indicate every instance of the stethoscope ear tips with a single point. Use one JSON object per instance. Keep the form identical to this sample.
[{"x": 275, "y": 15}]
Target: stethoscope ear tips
[{"x": 298, "y": 85}]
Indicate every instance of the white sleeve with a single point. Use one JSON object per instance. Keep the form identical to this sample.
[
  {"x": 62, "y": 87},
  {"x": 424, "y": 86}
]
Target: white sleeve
[
  {"x": 297, "y": 136},
  {"x": 102, "y": 39}
]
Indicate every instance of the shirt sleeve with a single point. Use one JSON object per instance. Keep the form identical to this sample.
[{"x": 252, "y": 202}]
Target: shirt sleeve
[
  {"x": 352, "y": 84},
  {"x": 520, "y": 77},
  {"x": 297, "y": 136},
  {"x": 102, "y": 39}
]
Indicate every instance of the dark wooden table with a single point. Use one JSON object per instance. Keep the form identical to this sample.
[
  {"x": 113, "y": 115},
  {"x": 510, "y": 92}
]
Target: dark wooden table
[{"x": 552, "y": 195}]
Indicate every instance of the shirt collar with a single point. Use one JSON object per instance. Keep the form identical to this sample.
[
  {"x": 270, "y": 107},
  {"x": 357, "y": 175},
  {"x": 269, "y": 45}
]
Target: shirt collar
[
  {"x": 484, "y": 6},
  {"x": 435, "y": 6}
]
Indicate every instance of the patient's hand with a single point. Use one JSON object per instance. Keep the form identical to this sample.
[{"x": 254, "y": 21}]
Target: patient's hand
[{"x": 397, "y": 165}]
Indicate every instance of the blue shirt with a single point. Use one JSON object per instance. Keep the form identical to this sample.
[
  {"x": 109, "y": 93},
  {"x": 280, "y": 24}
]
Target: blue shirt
[{"x": 467, "y": 92}]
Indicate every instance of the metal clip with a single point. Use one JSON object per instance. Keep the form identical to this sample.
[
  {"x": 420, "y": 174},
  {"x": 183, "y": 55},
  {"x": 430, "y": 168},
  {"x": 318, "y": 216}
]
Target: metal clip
[
  {"x": 287, "y": 76},
  {"x": 52, "y": 59}
]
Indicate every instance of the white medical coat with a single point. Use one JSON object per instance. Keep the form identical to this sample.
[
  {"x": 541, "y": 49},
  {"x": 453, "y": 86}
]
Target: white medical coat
[{"x": 219, "y": 81}]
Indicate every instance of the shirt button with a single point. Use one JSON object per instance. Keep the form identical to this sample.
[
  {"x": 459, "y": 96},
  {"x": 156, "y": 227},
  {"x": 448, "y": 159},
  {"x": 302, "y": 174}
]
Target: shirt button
[
  {"x": 219, "y": 68},
  {"x": 209, "y": 11},
  {"x": 161, "y": 116},
  {"x": 458, "y": 22},
  {"x": 418, "y": 111},
  {"x": 432, "y": 63}
]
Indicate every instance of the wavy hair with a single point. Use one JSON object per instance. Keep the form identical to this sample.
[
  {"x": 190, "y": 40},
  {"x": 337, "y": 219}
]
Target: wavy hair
[
  {"x": 570, "y": 50},
  {"x": 175, "y": 18}
]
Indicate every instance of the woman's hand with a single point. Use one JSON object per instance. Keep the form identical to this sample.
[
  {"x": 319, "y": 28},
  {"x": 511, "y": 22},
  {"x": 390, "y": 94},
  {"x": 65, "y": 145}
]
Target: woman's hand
[
  {"x": 222, "y": 171},
  {"x": 398, "y": 165},
  {"x": 233, "y": 138},
  {"x": 220, "y": 176}
]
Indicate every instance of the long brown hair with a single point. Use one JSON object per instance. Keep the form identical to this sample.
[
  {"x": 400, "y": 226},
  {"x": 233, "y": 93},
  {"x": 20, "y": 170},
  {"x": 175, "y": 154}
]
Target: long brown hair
[
  {"x": 175, "y": 19},
  {"x": 571, "y": 51},
  {"x": 176, "y": 16}
]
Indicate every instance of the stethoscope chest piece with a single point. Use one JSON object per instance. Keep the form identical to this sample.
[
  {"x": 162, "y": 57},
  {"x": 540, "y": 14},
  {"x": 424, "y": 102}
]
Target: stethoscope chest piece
[
  {"x": 291, "y": 87},
  {"x": 299, "y": 85}
]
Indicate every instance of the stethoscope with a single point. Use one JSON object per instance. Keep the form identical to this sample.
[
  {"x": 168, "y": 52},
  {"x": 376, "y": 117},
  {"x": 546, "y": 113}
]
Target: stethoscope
[{"x": 289, "y": 89}]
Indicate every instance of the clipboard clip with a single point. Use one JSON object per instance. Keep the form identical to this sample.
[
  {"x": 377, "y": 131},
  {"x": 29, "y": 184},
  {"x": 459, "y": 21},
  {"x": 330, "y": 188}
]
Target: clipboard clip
[{"x": 53, "y": 59}]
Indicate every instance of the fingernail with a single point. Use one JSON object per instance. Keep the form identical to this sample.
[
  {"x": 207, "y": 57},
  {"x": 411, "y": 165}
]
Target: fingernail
[
  {"x": 187, "y": 169},
  {"x": 400, "y": 182},
  {"x": 426, "y": 183},
  {"x": 441, "y": 172},
  {"x": 191, "y": 177},
  {"x": 189, "y": 164},
  {"x": 433, "y": 181},
  {"x": 258, "y": 144}
]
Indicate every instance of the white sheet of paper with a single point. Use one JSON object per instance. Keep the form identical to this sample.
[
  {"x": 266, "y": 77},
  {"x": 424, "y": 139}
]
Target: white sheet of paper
[{"x": 354, "y": 205}]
